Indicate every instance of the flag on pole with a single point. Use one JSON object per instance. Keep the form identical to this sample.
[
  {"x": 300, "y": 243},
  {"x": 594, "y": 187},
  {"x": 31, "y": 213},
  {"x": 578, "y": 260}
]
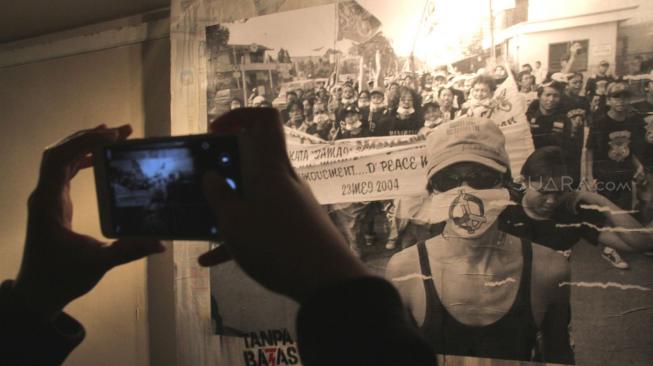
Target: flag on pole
[
  {"x": 429, "y": 21},
  {"x": 355, "y": 22}
]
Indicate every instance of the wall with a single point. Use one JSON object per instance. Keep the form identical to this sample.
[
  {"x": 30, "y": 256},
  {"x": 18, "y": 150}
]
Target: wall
[
  {"x": 550, "y": 9},
  {"x": 602, "y": 43},
  {"x": 44, "y": 101}
]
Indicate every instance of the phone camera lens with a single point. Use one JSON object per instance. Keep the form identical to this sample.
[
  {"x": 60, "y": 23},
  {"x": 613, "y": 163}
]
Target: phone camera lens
[{"x": 225, "y": 159}]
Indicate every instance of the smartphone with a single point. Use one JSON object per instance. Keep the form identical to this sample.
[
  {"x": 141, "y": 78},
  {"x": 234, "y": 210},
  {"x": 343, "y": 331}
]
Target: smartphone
[{"x": 153, "y": 187}]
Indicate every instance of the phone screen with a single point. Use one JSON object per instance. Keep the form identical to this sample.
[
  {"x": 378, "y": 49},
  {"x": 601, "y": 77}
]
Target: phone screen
[{"x": 155, "y": 186}]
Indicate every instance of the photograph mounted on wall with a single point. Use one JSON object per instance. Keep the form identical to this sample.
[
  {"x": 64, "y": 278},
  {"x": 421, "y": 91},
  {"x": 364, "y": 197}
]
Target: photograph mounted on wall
[{"x": 493, "y": 161}]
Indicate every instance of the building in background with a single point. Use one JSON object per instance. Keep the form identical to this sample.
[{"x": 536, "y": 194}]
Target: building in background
[{"x": 620, "y": 32}]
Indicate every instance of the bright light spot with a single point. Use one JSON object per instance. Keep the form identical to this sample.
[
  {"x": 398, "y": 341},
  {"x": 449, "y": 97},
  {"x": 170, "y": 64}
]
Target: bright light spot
[{"x": 231, "y": 183}]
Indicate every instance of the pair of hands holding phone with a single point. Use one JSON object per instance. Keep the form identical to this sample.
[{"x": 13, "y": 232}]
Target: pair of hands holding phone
[{"x": 277, "y": 232}]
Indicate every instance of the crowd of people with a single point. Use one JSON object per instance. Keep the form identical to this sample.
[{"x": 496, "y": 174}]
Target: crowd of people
[
  {"x": 605, "y": 136},
  {"x": 590, "y": 178}
]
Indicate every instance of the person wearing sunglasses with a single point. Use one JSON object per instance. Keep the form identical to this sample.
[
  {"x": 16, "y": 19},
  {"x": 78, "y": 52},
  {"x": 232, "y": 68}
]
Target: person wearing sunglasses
[{"x": 474, "y": 290}]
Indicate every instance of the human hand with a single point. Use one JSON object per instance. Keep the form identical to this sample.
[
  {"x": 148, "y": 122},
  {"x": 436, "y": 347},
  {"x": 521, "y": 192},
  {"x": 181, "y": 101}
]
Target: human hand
[
  {"x": 60, "y": 265},
  {"x": 575, "y": 48},
  {"x": 278, "y": 233}
]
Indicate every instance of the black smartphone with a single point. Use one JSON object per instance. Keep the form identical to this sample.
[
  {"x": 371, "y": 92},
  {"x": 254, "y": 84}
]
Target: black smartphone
[{"x": 153, "y": 187}]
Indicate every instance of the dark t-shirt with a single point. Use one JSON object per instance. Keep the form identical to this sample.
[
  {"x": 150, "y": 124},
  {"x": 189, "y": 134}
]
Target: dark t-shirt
[
  {"x": 590, "y": 87},
  {"x": 390, "y": 125},
  {"x": 613, "y": 143},
  {"x": 645, "y": 110},
  {"x": 562, "y": 128},
  {"x": 561, "y": 232},
  {"x": 573, "y": 102}
]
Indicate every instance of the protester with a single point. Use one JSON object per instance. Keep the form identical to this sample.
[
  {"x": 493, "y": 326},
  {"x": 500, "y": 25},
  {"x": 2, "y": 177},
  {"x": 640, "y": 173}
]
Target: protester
[
  {"x": 612, "y": 149},
  {"x": 291, "y": 96},
  {"x": 348, "y": 96},
  {"x": 322, "y": 94},
  {"x": 377, "y": 109},
  {"x": 257, "y": 101},
  {"x": 323, "y": 123},
  {"x": 468, "y": 86},
  {"x": 526, "y": 82},
  {"x": 336, "y": 96},
  {"x": 439, "y": 80},
  {"x": 295, "y": 114},
  {"x": 300, "y": 94},
  {"x": 598, "y": 101},
  {"x": 468, "y": 168},
  {"x": 307, "y": 107},
  {"x": 427, "y": 93},
  {"x": 364, "y": 99},
  {"x": 392, "y": 96},
  {"x": 446, "y": 99},
  {"x": 602, "y": 74},
  {"x": 409, "y": 82},
  {"x": 500, "y": 74},
  {"x": 549, "y": 211},
  {"x": 552, "y": 125},
  {"x": 527, "y": 68},
  {"x": 405, "y": 120},
  {"x": 432, "y": 117},
  {"x": 235, "y": 103},
  {"x": 353, "y": 124},
  {"x": 540, "y": 73},
  {"x": 480, "y": 100}
]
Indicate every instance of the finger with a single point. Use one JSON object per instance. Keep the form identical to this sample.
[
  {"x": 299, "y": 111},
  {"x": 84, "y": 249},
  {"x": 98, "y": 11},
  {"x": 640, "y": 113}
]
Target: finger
[
  {"x": 85, "y": 162},
  {"x": 261, "y": 129},
  {"x": 124, "y": 251},
  {"x": 214, "y": 257},
  {"x": 60, "y": 161}
]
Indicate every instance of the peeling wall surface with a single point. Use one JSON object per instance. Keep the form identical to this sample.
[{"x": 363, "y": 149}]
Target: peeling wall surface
[{"x": 223, "y": 317}]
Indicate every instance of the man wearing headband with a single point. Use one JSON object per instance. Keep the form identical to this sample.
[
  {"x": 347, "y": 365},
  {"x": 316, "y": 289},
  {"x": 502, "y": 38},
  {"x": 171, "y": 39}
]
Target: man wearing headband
[{"x": 474, "y": 290}]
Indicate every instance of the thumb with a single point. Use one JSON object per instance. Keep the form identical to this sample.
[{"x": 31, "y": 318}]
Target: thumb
[{"x": 127, "y": 250}]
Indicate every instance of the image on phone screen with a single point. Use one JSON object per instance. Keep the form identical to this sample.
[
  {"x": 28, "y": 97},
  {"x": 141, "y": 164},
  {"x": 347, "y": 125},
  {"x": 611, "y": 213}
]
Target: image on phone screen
[{"x": 155, "y": 188}]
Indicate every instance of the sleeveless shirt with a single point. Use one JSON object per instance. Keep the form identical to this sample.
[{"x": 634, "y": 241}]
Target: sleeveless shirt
[{"x": 512, "y": 337}]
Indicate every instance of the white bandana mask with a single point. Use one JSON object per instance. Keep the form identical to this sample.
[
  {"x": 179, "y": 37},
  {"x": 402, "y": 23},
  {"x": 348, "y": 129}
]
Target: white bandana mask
[
  {"x": 405, "y": 113},
  {"x": 353, "y": 126},
  {"x": 468, "y": 212}
]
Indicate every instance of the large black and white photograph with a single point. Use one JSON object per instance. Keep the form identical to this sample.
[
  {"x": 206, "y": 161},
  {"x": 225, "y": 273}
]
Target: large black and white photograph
[{"x": 492, "y": 159}]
